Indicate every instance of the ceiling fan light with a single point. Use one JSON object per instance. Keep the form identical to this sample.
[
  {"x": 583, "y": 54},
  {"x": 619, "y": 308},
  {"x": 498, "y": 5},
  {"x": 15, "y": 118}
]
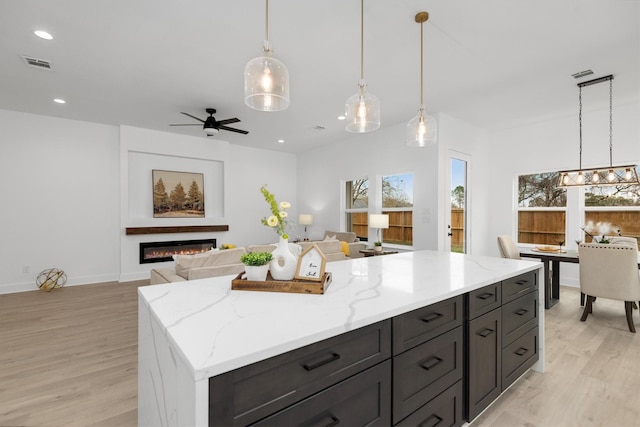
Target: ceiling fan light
[
  {"x": 421, "y": 130},
  {"x": 266, "y": 84},
  {"x": 211, "y": 131}
]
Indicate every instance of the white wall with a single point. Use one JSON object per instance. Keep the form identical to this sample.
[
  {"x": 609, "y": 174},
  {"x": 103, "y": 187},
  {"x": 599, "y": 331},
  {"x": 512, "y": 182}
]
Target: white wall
[
  {"x": 322, "y": 172},
  {"x": 67, "y": 197},
  {"x": 550, "y": 146}
]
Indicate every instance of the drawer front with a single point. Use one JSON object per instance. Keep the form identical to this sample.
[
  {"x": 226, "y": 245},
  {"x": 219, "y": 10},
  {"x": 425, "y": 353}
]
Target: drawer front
[
  {"x": 515, "y": 287},
  {"x": 362, "y": 400},
  {"x": 443, "y": 411},
  {"x": 253, "y": 392},
  {"x": 418, "y": 326},
  {"x": 425, "y": 371},
  {"x": 519, "y": 356},
  {"x": 483, "y": 300},
  {"x": 518, "y": 317}
]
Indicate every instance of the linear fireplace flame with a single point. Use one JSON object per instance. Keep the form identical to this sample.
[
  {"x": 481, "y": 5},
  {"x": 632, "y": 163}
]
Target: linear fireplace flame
[{"x": 163, "y": 251}]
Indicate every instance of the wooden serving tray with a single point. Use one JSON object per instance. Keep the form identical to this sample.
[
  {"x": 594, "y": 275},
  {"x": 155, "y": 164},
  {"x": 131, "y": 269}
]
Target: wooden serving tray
[{"x": 296, "y": 286}]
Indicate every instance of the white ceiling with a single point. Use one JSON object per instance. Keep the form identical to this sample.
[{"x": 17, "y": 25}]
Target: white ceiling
[{"x": 492, "y": 63}]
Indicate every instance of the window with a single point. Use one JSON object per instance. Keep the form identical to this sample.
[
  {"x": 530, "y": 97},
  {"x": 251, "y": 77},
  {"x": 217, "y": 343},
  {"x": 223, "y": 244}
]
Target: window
[
  {"x": 357, "y": 207},
  {"x": 397, "y": 202},
  {"x": 541, "y": 209},
  {"x": 617, "y": 205}
]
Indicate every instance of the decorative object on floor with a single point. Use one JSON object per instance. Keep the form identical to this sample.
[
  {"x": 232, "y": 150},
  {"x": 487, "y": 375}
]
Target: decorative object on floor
[
  {"x": 378, "y": 221},
  {"x": 311, "y": 264},
  {"x": 51, "y": 279},
  {"x": 266, "y": 79},
  {"x": 606, "y": 175},
  {"x": 305, "y": 219},
  {"x": 284, "y": 263},
  {"x": 185, "y": 198},
  {"x": 256, "y": 265},
  {"x": 421, "y": 130},
  {"x": 295, "y": 286},
  {"x": 362, "y": 109},
  {"x": 212, "y": 126}
]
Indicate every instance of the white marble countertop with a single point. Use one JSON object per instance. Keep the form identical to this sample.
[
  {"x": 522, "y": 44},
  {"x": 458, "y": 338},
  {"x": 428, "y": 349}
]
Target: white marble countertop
[{"x": 215, "y": 329}]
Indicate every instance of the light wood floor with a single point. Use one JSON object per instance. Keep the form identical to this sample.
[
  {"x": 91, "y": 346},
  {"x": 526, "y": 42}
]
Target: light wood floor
[{"x": 68, "y": 358}]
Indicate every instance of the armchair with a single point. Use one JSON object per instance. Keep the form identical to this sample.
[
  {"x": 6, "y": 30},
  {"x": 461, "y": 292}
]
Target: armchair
[{"x": 609, "y": 271}]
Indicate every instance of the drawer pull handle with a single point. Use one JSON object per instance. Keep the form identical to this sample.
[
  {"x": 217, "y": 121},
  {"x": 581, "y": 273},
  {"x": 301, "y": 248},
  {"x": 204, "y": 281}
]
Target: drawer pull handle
[
  {"x": 334, "y": 421},
  {"x": 486, "y": 295},
  {"x": 485, "y": 332},
  {"x": 521, "y": 351},
  {"x": 431, "y": 363},
  {"x": 431, "y": 317},
  {"x": 432, "y": 421},
  {"x": 522, "y": 282},
  {"x": 333, "y": 357},
  {"x": 521, "y": 312}
]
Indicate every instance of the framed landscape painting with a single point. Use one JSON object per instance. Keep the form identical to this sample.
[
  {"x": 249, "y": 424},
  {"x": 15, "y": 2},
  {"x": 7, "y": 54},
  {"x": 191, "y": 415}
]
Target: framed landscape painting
[{"x": 178, "y": 194}]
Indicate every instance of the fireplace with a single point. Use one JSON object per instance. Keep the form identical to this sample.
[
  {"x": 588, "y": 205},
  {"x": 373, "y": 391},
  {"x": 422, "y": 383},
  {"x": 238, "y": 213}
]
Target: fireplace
[{"x": 164, "y": 251}]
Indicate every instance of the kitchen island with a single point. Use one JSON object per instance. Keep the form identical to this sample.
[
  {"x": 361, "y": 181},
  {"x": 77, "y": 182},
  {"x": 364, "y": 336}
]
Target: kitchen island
[{"x": 193, "y": 331}]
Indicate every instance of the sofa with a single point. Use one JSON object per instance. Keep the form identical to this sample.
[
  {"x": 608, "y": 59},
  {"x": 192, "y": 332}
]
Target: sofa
[
  {"x": 353, "y": 243},
  {"x": 208, "y": 264}
]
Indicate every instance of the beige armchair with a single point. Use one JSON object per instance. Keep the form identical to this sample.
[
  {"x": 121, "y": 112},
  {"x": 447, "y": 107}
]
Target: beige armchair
[
  {"x": 507, "y": 247},
  {"x": 609, "y": 271}
]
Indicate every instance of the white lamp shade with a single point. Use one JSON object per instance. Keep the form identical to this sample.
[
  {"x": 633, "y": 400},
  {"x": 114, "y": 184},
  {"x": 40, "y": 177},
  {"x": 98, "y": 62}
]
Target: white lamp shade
[
  {"x": 362, "y": 112},
  {"x": 305, "y": 219},
  {"x": 379, "y": 221},
  {"x": 421, "y": 130},
  {"x": 266, "y": 84}
]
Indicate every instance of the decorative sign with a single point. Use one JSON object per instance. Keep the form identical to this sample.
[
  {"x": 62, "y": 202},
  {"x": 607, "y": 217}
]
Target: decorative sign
[{"x": 311, "y": 264}]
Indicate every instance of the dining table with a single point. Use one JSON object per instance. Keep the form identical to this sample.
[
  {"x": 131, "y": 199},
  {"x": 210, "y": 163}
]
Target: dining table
[{"x": 551, "y": 259}]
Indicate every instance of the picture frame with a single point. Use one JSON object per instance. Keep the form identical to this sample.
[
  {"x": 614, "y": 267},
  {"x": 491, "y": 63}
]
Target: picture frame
[
  {"x": 177, "y": 194},
  {"x": 311, "y": 264}
]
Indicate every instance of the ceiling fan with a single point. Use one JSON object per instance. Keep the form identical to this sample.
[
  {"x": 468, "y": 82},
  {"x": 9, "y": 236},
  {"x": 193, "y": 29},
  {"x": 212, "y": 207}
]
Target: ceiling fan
[{"x": 211, "y": 125}]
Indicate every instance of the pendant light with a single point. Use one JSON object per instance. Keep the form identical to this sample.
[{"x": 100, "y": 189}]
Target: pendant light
[
  {"x": 606, "y": 175},
  {"x": 266, "y": 79},
  {"x": 362, "y": 109},
  {"x": 421, "y": 130}
]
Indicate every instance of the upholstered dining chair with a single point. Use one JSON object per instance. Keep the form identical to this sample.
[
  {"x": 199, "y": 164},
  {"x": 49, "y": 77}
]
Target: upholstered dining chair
[
  {"x": 507, "y": 247},
  {"x": 609, "y": 271}
]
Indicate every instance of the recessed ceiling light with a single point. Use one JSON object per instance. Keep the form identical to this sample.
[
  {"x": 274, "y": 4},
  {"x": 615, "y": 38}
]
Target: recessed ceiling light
[
  {"x": 43, "y": 35},
  {"x": 59, "y": 101},
  {"x": 281, "y": 141},
  {"x": 341, "y": 117}
]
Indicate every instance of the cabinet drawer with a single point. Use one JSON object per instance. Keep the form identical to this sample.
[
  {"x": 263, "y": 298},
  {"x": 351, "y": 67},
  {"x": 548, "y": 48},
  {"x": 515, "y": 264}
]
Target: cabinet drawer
[
  {"x": 425, "y": 371},
  {"x": 483, "y": 300},
  {"x": 362, "y": 400},
  {"x": 251, "y": 393},
  {"x": 518, "y": 317},
  {"x": 515, "y": 287},
  {"x": 445, "y": 410},
  {"x": 418, "y": 326},
  {"x": 519, "y": 356}
]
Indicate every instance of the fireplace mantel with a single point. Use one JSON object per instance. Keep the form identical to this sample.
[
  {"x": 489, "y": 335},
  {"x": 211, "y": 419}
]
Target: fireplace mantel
[{"x": 177, "y": 229}]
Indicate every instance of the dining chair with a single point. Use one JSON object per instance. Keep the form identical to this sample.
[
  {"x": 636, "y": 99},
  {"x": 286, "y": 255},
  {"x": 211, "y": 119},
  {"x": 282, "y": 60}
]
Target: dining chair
[
  {"x": 609, "y": 271},
  {"x": 507, "y": 247}
]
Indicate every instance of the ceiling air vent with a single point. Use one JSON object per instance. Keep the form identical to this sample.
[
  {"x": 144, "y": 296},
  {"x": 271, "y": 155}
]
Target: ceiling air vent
[
  {"x": 319, "y": 127},
  {"x": 38, "y": 63},
  {"x": 581, "y": 74}
]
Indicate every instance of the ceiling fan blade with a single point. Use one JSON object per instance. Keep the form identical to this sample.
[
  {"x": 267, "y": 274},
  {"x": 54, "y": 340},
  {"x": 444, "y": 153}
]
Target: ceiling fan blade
[
  {"x": 193, "y": 117},
  {"x": 233, "y": 130},
  {"x": 184, "y": 124},
  {"x": 228, "y": 121}
]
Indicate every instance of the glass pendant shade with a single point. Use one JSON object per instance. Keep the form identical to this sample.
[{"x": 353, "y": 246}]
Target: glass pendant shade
[
  {"x": 362, "y": 111},
  {"x": 421, "y": 130},
  {"x": 266, "y": 84}
]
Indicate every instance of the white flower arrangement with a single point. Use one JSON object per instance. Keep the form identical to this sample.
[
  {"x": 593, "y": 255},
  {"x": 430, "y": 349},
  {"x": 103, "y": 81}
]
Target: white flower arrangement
[{"x": 279, "y": 214}]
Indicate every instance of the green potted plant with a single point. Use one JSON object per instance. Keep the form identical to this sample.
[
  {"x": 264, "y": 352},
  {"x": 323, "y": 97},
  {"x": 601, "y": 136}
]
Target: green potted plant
[
  {"x": 377, "y": 246},
  {"x": 256, "y": 265}
]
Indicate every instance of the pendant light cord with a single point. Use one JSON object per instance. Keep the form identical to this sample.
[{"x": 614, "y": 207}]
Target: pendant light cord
[
  {"x": 361, "y": 40},
  {"x": 421, "y": 66},
  {"x": 267, "y": 47},
  {"x": 580, "y": 123},
  {"x": 611, "y": 123}
]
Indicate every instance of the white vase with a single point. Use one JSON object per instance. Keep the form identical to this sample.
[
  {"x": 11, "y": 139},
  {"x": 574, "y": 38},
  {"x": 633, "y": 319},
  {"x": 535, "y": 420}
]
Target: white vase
[
  {"x": 284, "y": 263},
  {"x": 377, "y": 248},
  {"x": 256, "y": 273}
]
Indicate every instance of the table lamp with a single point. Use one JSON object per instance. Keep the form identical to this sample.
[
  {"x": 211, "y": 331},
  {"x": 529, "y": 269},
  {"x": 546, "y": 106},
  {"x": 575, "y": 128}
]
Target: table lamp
[
  {"x": 305, "y": 219},
  {"x": 379, "y": 221}
]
